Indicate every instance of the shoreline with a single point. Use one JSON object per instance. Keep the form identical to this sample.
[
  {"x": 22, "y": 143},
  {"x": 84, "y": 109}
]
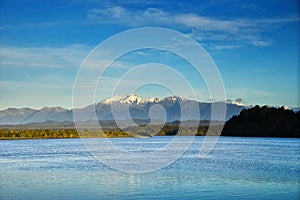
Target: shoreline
[{"x": 41, "y": 138}]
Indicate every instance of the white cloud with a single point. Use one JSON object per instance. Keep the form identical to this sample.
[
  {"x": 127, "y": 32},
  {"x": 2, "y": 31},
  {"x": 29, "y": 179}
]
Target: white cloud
[
  {"x": 69, "y": 57},
  {"x": 121, "y": 15},
  {"x": 154, "y": 16},
  {"x": 245, "y": 31},
  {"x": 206, "y": 23},
  {"x": 46, "y": 73},
  {"x": 224, "y": 47},
  {"x": 43, "y": 57},
  {"x": 261, "y": 43}
]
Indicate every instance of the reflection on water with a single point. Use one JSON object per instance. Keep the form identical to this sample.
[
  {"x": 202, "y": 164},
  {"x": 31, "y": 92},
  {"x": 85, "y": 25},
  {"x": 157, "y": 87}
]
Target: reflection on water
[{"x": 237, "y": 168}]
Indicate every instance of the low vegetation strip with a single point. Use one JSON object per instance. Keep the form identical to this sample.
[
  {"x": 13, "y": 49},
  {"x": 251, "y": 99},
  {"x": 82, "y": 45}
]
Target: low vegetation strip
[
  {"x": 59, "y": 133},
  {"x": 136, "y": 131}
]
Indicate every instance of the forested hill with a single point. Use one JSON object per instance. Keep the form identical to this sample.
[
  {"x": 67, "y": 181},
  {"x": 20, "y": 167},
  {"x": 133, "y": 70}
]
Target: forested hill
[{"x": 264, "y": 122}]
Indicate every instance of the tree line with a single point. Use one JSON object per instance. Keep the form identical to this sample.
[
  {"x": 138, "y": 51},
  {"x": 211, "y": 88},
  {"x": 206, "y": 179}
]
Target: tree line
[
  {"x": 254, "y": 122},
  {"x": 264, "y": 122}
]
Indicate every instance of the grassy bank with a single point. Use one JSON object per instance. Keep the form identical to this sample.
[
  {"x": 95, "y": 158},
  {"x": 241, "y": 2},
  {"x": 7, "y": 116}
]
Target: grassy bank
[
  {"x": 136, "y": 131},
  {"x": 6, "y": 134}
]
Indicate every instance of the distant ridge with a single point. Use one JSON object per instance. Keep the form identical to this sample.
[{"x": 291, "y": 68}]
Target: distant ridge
[{"x": 138, "y": 108}]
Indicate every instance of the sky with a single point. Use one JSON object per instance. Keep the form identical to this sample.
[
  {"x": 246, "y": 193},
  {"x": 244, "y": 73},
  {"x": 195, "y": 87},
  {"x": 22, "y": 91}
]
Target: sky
[{"x": 254, "y": 45}]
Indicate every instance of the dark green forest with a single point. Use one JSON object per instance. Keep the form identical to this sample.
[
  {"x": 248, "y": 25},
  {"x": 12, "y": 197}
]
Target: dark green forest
[{"x": 264, "y": 122}]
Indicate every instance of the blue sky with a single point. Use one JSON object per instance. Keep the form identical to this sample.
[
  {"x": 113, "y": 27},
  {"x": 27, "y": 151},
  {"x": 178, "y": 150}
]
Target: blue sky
[{"x": 255, "y": 45}]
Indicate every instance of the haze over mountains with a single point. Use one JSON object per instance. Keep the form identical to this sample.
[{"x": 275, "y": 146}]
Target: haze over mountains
[{"x": 166, "y": 109}]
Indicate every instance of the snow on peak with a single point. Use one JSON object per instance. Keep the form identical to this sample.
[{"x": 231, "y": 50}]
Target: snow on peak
[
  {"x": 134, "y": 99},
  {"x": 128, "y": 98}
]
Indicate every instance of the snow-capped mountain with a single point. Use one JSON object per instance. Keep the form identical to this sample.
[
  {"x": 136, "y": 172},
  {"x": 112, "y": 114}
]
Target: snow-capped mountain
[
  {"x": 117, "y": 107},
  {"x": 130, "y": 99}
]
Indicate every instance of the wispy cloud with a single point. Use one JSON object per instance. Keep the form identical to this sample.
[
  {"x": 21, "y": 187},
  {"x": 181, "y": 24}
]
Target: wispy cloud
[
  {"x": 33, "y": 25},
  {"x": 43, "y": 57},
  {"x": 202, "y": 28},
  {"x": 261, "y": 43},
  {"x": 224, "y": 47},
  {"x": 68, "y": 57},
  {"x": 154, "y": 16}
]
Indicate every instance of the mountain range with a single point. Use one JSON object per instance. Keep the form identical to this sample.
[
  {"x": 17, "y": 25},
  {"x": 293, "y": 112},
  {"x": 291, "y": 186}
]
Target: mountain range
[{"x": 166, "y": 109}]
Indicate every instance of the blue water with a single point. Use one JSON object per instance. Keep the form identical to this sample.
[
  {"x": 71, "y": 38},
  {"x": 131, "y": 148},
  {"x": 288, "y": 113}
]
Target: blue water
[{"x": 237, "y": 168}]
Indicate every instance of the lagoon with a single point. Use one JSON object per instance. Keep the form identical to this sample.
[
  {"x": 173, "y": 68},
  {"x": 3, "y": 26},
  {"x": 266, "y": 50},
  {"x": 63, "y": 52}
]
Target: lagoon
[{"x": 237, "y": 168}]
